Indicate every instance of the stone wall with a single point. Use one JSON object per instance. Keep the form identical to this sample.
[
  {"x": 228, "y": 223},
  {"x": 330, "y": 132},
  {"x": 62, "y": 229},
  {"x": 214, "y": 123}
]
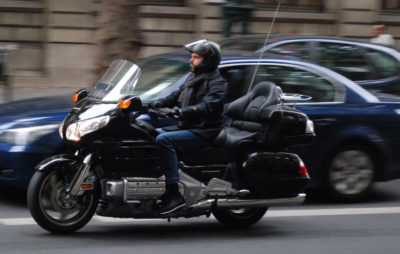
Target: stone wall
[{"x": 56, "y": 38}]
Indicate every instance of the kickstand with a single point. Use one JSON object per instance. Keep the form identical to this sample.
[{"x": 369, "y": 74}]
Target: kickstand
[{"x": 169, "y": 219}]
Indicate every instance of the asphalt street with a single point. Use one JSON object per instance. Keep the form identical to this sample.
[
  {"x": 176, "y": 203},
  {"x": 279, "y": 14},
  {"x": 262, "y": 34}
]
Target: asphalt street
[{"x": 318, "y": 226}]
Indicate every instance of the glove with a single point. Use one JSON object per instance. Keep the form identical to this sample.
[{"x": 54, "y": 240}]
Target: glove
[
  {"x": 154, "y": 104},
  {"x": 170, "y": 112}
]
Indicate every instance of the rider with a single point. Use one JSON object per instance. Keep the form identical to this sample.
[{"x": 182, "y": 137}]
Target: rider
[{"x": 198, "y": 105}]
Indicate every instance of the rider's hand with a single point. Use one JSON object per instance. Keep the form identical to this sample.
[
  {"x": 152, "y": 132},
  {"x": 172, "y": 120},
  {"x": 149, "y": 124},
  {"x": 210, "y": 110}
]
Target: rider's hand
[{"x": 170, "y": 112}]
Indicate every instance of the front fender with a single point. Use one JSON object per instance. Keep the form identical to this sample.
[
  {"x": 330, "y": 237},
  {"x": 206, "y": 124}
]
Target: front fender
[{"x": 54, "y": 160}]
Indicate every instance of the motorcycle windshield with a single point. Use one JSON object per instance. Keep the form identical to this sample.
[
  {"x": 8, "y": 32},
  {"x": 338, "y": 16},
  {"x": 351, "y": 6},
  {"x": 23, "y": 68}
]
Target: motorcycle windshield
[{"x": 119, "y": 80}]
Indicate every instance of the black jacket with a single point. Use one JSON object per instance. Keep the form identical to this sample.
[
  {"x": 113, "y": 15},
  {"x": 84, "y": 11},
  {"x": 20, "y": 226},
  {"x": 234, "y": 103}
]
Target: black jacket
[{"x": 203, "y": 116}]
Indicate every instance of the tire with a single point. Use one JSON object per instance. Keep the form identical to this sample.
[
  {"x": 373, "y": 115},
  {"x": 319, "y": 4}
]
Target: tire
[
  {"x": 52, "y": 209},
  {"x": 239, "y": 218},
  {"x": 351, "y": 173}
]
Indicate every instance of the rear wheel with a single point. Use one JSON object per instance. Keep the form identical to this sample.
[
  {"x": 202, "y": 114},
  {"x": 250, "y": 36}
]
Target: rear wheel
[
  {"x": 52, "y": 208},
  {"x": 239, "y": 218},
  {"x": 350, "y": 173}
]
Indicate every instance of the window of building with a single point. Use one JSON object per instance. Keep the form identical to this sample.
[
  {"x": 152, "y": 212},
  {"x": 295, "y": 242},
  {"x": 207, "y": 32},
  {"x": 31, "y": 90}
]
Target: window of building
[
  {"x": 390, "y": 4},
  {"x": 316, "y": 5},
  {"x": 163, "y": 2}
]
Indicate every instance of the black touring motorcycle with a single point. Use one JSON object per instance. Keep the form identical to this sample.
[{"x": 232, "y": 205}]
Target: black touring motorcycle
[{"x": 114, "y": 169}]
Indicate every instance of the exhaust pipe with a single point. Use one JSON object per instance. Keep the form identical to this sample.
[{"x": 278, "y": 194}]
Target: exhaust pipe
[{"x": 248, "y": 203}]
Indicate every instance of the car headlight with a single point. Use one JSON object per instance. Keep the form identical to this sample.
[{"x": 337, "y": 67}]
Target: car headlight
[
  {"x": 25, "y": 135},
  {"x": 77, "y": 130}
]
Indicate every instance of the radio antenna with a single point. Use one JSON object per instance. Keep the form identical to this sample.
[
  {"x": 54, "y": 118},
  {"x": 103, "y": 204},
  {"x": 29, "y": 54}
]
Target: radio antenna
[{"x": 265, "y": 43}]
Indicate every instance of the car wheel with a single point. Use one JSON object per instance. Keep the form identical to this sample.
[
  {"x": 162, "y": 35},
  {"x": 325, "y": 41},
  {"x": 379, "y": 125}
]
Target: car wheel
[
  {"x": 239, "y": 218},
  {"x": 350, "y": 173}
]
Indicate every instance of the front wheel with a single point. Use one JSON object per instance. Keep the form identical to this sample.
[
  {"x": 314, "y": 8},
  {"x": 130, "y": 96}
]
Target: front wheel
[
  {"x": 52, "y": 208},
  {"x": 239, "y": 218}
]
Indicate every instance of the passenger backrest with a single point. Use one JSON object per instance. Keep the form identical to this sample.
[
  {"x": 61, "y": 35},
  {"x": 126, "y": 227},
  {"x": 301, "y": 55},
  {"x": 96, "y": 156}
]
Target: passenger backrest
[
  {"x": 255, "y": 106},
  {"x": 248, "y": 117}
]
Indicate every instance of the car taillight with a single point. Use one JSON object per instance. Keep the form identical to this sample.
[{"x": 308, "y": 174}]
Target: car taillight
[{"x": 303, "y": 170}]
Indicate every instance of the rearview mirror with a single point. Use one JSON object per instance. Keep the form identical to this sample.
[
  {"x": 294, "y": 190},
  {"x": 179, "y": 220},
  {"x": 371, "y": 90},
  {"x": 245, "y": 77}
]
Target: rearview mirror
[
  {"x": 79, "y": 95},
  {"x": 130, "y": 103}
]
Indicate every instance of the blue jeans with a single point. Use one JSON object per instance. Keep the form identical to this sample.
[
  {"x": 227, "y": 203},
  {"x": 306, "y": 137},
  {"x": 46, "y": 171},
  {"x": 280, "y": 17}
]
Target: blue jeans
[{"x": 172, "y": 143}]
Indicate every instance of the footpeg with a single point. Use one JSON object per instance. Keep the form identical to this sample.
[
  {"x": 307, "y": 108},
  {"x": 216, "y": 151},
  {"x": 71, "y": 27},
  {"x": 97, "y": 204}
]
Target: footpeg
[{"x": 218, "y": 187}]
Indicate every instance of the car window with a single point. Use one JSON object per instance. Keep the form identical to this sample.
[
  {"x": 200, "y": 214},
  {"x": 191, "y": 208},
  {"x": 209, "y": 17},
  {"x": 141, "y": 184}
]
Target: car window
[
  {"x": 158, "y": 75},
  {"x": 241, "y": 46},
  {"x": 345, "y": 59},
  {"x": 386, "y": 65},
  {"x": 298, "y": 81},
  {"x": 298, "y": 50},
  {"x": 236, "y": 79}
]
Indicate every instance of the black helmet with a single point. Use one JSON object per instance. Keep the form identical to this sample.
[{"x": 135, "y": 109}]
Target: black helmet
[{"x": 209, "y": 50}]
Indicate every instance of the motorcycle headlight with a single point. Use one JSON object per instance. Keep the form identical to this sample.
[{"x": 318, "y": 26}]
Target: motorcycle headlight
[
  {"x": 77, "y": 130},
  {"x": 25, "y": 135}
]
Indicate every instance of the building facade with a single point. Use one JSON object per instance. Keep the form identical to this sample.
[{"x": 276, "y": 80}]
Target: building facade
[{"x": 56, "y": 39}]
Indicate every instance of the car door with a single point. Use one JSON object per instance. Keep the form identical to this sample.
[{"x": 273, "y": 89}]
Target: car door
[{"x": 324, "y": 107}]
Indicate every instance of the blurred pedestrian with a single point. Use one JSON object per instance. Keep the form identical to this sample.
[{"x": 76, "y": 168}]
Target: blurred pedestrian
[
  {"x": 237, "y": 11},
  {"x": 381, "y": 36},
  {"x": 118, "y": 34}
]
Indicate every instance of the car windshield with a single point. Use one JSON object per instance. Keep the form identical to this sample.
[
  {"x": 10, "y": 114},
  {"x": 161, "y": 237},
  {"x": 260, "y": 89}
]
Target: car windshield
[{"x": 157, "y": 76}]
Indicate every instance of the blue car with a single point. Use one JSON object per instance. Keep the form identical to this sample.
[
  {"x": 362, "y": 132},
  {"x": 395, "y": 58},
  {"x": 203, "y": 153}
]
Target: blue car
[
  {"x": 357, "y": 131},
  {"x": 373, "y": 66}
]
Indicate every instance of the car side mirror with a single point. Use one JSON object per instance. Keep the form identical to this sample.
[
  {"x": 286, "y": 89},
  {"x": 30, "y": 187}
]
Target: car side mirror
[{"x": 79, "y": 95}]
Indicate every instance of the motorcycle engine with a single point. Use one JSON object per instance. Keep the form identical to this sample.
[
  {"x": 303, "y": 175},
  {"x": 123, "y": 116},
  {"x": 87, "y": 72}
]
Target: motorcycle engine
[{"x": 133, "y": 189}]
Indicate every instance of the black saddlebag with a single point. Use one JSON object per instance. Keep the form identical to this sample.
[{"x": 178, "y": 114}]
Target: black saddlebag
[{"x": 275, "y": 174}]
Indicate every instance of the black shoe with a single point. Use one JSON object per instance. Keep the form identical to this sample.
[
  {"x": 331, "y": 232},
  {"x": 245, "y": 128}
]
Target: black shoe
[
  {"x": 171, "y": 189},
  {"x": 164, "y": 196},
  {"x": 171, "y": 204}
]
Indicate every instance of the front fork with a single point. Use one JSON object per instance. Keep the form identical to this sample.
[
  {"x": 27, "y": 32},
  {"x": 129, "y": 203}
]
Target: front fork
[{"x": 81, "y": 182}]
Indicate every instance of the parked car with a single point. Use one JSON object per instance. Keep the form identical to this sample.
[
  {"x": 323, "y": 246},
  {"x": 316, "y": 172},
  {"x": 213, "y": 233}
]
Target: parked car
[
  {"x": 373, "y": 66},
  {"x": 357, "y": 132}
]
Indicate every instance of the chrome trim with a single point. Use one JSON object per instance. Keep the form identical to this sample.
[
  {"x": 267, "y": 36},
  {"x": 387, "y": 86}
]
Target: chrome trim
[
  {"x": 125, "y": 193},
  {"x": 248, "y": 203},
  {"x": 76, "y": 188}
]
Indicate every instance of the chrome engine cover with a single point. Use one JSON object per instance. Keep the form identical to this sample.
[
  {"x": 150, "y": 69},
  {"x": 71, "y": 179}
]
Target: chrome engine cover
[{"x": 135, "y": 189}]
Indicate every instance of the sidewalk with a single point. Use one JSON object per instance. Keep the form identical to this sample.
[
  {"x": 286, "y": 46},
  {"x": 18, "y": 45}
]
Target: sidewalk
[{"x": 20, "y": 93}]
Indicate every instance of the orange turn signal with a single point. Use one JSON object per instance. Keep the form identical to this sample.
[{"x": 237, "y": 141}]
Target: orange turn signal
[
  {"x": 87, "y": 186},
  {"x": 76, "y": 97},
  {"x": 124, "y": 104}
]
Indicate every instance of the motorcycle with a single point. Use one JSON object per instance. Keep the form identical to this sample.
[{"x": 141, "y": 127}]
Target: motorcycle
[{"x": 113, "y": 167}]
